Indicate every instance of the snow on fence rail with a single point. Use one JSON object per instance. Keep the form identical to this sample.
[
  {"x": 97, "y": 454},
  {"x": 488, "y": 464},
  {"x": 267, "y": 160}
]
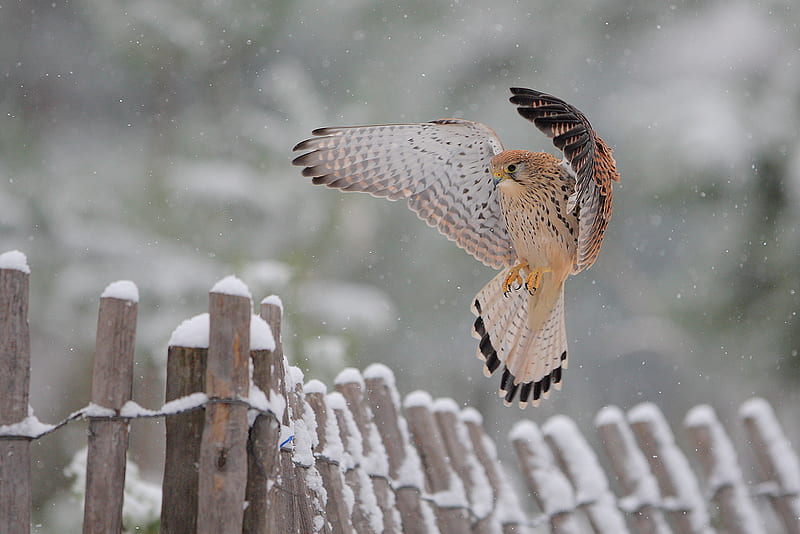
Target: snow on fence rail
[{"x": 252, "y": 448}]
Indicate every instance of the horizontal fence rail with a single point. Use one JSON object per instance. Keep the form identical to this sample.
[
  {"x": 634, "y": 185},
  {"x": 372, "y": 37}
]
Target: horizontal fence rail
[{"x": 253, "y": 447}]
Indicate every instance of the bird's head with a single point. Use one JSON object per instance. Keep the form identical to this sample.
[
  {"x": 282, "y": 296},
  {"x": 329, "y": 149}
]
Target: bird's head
[{"x": 519, "y": 168}]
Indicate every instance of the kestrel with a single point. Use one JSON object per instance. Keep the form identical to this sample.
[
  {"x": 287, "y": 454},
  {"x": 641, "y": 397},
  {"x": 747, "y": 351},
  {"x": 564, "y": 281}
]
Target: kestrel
[{"x": 531, "y": 214}]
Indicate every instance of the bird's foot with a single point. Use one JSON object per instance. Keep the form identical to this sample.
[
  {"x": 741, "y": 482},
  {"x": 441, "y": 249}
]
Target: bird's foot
[
  {"x": 514, "y": 277},
  {"x": 534, "y": 278}
]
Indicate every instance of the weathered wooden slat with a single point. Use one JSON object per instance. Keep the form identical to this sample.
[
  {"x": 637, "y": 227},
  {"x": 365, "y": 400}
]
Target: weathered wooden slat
[
  {"x": 442, "y": 483},
  {"x": 186, "y": 374},
  {"x": 112, "y": 386},
  {"x": 579, "y": 462},
  {"x": 777, "y": 461},
  {"x": 641, "y": 496},
  {"x": 404, "y": 463},
  {"x": 15, "y": 454},
  {"x": 684, "y": 503},
  {"x": 223, "y": 455},
  {"x": 724, "y": 482},
  {"x": 351, "y": 385}
]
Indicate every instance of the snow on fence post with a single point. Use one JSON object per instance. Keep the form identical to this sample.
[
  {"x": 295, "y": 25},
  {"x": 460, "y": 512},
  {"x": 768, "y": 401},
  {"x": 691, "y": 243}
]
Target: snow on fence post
[
  {"x": 548, "y": 485},
  {"x": 329, "y": 456},
  {"x": 15, "y": 371},
  {"x": 632, "y": 471},
  {"x": 350, "y": 384},
  {"x": 404, "y": 465},
  {"x": 186, "y": 375},
  {"x": 444, "y": 487},
  {"x": 776, "y": 459},
  {"x": 264, "y": 438},
  {"x": 223, "y": 456},
  {"x": 680, "y": 491},
  {"x": 724, "y": 481},
  {"x": 507, "y": 512},
  {"x": 466, "y": 466},
  {"x": 580, "y": 464},
  {"x": 112, "y": 387}
]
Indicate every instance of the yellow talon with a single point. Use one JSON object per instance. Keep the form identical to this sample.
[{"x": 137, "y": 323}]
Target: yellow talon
[
  {"x": 534, "y": 278},
  {"x": 514, "y": 277}
]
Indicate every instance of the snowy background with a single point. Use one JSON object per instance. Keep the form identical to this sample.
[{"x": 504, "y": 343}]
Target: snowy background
[{"x": 151, "y": 140}]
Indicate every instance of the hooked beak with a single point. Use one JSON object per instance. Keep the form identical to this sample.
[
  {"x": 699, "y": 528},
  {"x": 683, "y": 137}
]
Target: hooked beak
[{"x": 499, "y": 177}]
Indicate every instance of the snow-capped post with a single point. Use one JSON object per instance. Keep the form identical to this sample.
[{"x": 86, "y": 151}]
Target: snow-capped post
[
  {"x": 641, "y": 495},
  {"x": 724, "y": 481},
  {"x": 265, "y": 430},
  {"x": 223, "y": 456},
  {"x": 507, "y": 512},
  {"x": 444, "y": 487},
  {"x": 329, "y": 458},
  {"x": 777, "y": 461},
  {"x": 680, "y": 492},
  {"x": 580, "y": 464},
  {"x": 350, "y": 384},
  {"x": 548, "y": 485},
  {"x": 463, "y": 461},
  {"x": 112, "y": 387},
  {"x": 187, "y": 354},
  {"x": 405, "y": 469},
  {"x": 15, "y": 371}
]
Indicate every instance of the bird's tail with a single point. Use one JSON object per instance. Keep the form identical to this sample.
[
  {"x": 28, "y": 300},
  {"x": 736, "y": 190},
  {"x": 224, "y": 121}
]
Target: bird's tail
[{"x": 525, "y": 334}]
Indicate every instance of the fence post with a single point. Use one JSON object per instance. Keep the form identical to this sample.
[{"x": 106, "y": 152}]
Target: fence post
[
  {"x": 723, "y": 477},
  {"x": 507, "y": 508},
  {"x": 580, "y": 464},
  {"x": 329, "y": 455},
  {"x": 549, "y": 486},
  {"x": 443, "y": 485},
  {"x": 776, "y": 459},
  {"x": 15, "y": 370},
  {"x": 223, "y": 457},
  {"x": 632, "y": 471},
  {"x": 404, "y": 465},
  {"x": 463, "y": 461},
  {"x": 680, "y": 491},
  {"x": 351, "y": 385},
  {"x": 186, "y": 374},
  {"x": 112, "y": 386}
]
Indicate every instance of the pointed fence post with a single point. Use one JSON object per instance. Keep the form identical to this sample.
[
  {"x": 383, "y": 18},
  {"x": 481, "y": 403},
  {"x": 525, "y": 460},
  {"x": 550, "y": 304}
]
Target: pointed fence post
[
  {"x": 112, "y": 387},
  {"x": 641, "y": 496},
  {"x": 724, "y": 481},
  {"x": 223, "y": 455},
  {"x": 186, "y": 375},
  {"x": 776, "y": 459},
  {"x": 15, "y": 372}
]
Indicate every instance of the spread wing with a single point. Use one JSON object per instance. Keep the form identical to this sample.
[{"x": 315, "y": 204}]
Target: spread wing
[
  {"x": 590, "y": 159},
  {"x": 441, "y": 167}
]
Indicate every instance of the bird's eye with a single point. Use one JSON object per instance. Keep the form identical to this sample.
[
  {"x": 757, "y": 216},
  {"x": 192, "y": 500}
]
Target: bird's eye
[{"x": 511, "y": 168}]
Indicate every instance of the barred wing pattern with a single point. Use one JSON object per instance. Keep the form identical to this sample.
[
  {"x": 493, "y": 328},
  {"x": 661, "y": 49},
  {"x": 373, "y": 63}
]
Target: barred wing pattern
[
  {"x": 589, "y": 157},
  {"x": 441, "y": 167}
]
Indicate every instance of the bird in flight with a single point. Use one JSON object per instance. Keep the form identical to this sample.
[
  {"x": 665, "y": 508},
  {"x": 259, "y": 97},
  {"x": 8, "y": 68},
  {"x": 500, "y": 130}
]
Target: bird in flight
[{"x": 536, "y": 217}]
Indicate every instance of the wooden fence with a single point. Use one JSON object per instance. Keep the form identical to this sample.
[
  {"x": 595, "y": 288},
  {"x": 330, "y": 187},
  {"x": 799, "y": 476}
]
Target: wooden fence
[{"x": 252, "y": 448}]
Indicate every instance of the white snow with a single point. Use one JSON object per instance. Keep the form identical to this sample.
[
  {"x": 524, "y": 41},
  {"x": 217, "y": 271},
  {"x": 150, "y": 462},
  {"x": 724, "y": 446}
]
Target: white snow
[
  {"x": 294, "y": 377},
  {"x": 453, "y": 497},
  {"x": 525, "y": 431},
  {"x": 418, "y": 398},
  {"x": 687, "y": 496},
  {"x": 380, "y": 371},
  {"x": 274, "y": 300},
  {"x": 131, "y": 409},
  {"x": 258, "y": 399},
  {"x": 471, "y": 415},
  {"x": 445, "y": 404},
  {"x": 182, "y": 404},
  {"x": 778, "y": 447},
  {"x": 191, "y": 333},
  {"x": 508, "y": 510},
  {"x": 349, "y": 375},
  {"x": 30, "y": 427},
  {"x": 14, "y": 260},
  {"x": 481, "y": 494},
  {"x": 230, "y": 285},
  {"x": 95, "y": 410},
  {"x": 315, "y": 386},
  {"x": 260, "y": 334},
  {"x": 122, "y": 290},
  {"x": 609, "y": 415}
]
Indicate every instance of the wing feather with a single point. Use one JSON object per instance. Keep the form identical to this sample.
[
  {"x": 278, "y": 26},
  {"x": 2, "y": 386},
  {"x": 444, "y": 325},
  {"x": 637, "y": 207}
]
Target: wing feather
[
  {"x": 588, "y": 156},
  {"x": 440, "y": 167}
]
